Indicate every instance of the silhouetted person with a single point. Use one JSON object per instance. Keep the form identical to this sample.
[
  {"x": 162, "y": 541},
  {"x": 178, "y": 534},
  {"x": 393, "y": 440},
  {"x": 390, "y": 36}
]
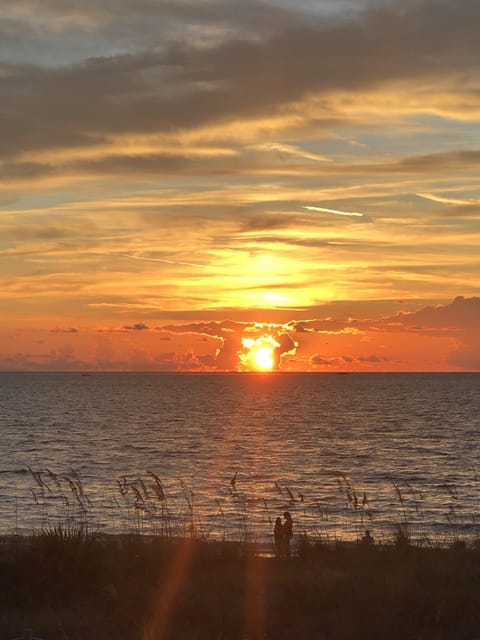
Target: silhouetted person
[
  {"x": 279, "y": 538},
  {"x": 367, "y": 538},
  {"x": 287, "y": 532}
]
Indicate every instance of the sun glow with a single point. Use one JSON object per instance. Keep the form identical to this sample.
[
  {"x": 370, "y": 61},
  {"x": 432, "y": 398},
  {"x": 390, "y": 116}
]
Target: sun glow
[
  {"x": 263, "y": 357},
  {"x": 259, "y": 354}
]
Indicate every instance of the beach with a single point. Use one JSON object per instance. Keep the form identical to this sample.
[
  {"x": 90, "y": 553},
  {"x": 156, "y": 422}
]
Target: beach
[{"x": 67, "y": 586}]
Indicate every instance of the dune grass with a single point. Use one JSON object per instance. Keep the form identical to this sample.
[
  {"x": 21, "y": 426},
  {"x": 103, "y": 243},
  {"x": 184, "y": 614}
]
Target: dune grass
[
  {"x": 143, "y": 504},
  {"x": 68, "y": 585},
  {"x": 164, "y": 578}
]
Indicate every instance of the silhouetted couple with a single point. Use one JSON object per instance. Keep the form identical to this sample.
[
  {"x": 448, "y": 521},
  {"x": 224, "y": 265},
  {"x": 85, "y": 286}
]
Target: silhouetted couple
[
  {"x": 282, "y": 535},
  {"x": 367, "y": 538}
]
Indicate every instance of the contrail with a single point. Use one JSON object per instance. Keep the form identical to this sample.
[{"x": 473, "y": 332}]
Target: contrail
[
  {"x": 185, "y": 264},
  {"x": 290, "y": 149},
  {"x": 442, "y": 200},
  {"x": 335, "y": 211}
]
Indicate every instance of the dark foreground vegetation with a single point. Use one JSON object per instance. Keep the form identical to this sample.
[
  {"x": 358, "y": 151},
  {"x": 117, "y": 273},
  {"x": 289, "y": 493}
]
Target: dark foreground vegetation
[{"x": 66, "y": 586}]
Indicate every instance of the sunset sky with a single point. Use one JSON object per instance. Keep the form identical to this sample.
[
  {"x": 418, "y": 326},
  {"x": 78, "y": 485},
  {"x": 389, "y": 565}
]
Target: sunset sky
[{"x": 183, "y": 179}]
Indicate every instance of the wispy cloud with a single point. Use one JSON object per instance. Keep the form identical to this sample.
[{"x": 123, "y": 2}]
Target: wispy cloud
[{"x": 192, "y": 187}]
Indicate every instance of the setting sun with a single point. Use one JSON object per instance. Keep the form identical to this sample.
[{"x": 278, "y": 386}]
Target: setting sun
[
  {"x": 263, "y": 357},
  {"x": 259, "y": 354}
]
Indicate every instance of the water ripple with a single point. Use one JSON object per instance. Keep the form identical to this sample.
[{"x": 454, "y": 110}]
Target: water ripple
[{"x": 406, "y": 442}]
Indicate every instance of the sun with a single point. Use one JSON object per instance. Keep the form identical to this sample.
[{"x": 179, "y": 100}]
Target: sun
[
  {"x": 259, "y": 354},
  {"x": 263, "y": 357}
]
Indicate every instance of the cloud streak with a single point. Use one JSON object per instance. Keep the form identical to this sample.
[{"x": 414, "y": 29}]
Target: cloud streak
[
  {"x": 234, "y": 78},
  {"x": 167, "y": 159}
]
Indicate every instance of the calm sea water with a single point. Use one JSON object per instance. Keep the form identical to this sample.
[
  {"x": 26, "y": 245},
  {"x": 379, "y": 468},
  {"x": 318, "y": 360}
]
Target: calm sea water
[{"x": 341, "y": 452}]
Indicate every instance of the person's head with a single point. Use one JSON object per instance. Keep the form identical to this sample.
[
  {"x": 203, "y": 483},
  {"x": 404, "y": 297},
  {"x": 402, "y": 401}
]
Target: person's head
[
  {"x": 287, "y": 515},
  {"x": 278, "y": 520}
]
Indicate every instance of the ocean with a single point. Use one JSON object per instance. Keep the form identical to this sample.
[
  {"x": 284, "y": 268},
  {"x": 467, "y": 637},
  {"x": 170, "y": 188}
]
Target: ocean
[{"x": 224, "y": 454}]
